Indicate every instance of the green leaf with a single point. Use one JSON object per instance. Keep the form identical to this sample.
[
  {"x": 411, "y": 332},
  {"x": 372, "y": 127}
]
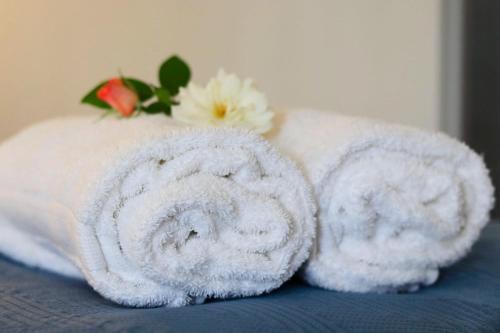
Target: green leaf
[
  {"x": 157, "y": 107},
  {"x": 174, "y": 73},
  {"x": 163, "y": 96},
  {"x": 142, "y": 89},
  {"x": 92, "y": 99}
]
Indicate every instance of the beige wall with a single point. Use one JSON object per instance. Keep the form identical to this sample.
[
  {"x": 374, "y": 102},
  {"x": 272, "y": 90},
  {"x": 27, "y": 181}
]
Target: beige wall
[{"x": 375, "y": 58}]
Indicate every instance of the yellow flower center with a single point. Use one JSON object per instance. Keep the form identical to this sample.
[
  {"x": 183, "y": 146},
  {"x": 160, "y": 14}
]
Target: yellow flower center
[{"x": 219, "y": 110}]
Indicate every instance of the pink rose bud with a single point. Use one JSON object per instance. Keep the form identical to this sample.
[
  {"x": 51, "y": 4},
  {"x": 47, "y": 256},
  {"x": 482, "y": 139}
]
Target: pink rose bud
[{"x": 119, "y": 96}]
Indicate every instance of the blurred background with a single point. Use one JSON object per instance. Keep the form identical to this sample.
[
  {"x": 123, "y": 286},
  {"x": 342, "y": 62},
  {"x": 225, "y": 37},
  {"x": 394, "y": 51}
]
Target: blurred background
[
  {"x": 376, "y": 58},
  {"x": 427, "y": 63}
]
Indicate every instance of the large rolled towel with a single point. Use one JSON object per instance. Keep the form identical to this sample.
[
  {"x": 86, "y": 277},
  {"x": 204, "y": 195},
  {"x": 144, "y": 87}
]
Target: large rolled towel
[
  {"x": 395, "y": 203},
  {"x": 153, "y": 214}
]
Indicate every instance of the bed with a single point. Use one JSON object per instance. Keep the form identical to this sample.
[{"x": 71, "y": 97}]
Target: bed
[{"x": 466, "y": 298}]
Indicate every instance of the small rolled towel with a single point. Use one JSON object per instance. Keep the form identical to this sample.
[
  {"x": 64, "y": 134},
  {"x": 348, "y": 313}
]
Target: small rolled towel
[
  {"x": 150, "y": 213},
  {"x": 395, "y": 203}
]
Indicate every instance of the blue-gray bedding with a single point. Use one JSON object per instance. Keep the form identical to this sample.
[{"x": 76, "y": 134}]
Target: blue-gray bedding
[{"x": 466, "y": 298}]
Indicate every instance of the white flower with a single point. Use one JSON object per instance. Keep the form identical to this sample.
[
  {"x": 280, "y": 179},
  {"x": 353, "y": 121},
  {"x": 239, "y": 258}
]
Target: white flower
[{"x": 225, "y": 101}]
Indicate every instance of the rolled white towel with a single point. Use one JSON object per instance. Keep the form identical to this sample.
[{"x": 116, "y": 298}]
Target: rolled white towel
[
  {"x": 395, "y": 203},
  {"x": 150, "y": 213}
]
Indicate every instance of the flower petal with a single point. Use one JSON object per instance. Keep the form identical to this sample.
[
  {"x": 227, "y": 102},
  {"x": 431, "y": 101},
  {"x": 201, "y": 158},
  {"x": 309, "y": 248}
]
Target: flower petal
[{"x": 224, "y": 101}]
